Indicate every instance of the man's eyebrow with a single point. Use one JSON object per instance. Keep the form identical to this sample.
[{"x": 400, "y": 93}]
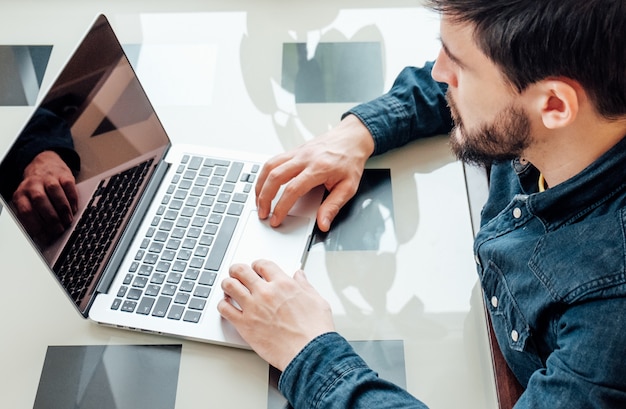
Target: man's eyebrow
[{"x": 451, "y": 56}]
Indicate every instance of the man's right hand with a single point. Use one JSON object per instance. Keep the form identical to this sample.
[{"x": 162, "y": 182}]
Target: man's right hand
[
  {"x": 46, "y": 199},
  {"x": 335, "y": 159}
]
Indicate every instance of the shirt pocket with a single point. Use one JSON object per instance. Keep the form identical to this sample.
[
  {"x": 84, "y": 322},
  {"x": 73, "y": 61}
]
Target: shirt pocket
[{"x": 508, "y": 320}]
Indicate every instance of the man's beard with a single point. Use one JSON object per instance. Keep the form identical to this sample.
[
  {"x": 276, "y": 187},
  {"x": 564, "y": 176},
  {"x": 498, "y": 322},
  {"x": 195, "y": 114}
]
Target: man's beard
[{"x": 503, "y": 139}]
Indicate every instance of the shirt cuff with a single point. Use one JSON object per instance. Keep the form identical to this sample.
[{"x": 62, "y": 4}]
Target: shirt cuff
[{"x": 316, "y": 368}]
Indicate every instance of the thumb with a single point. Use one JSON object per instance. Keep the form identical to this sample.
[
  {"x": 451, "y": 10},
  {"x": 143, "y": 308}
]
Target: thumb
[{"x": 331, "y": 206}]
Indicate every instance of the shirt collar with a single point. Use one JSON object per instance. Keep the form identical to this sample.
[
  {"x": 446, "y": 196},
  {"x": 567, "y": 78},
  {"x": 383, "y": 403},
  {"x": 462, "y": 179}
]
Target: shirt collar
[{"x": 581, "y": 194}]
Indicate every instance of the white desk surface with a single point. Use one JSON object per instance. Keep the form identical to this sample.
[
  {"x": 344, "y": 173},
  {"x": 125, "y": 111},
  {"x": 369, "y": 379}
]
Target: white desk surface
[{"x": 215, "y": 78}]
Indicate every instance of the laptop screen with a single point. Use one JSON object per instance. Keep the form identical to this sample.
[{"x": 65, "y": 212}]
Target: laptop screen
[{"x": 94, "y": 130}]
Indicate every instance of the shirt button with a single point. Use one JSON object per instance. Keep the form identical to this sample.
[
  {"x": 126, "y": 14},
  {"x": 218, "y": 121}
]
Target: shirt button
[
  {"x": 494, "y": 301},
  {"x": 514, "y": 336},
  {"x": 517, "y": 212}
]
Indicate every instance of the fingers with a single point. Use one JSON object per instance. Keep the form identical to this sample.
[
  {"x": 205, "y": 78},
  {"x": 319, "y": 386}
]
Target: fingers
[
  {"x": 298, "y": 181},
  {"x": 333, "y": 203},
  {"x": 71, "y": 193},
  {"x": 275, "y": 173},
  {"x": 268, "y": 188},
  {"x": 29, "y": 218},
  {"x": 39, "y": 216},
  {"x": 335, "y": 159},
  {"x": 299, "y": 186},
  {"x": 46, "y": 199},
  {"x": 245, "y": 280},
  {"x": 229, "y": 311},
  {"x": 45, "y": 207},
  {"x": 58, "y": 199}
]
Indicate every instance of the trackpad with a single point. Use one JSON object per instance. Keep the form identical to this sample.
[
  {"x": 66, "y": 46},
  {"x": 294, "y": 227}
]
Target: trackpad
[{"x": 284, "y": 245}]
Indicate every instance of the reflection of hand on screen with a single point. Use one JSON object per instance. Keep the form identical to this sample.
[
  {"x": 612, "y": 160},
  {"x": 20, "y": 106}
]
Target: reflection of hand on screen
[{"x": 46, "y": 199}]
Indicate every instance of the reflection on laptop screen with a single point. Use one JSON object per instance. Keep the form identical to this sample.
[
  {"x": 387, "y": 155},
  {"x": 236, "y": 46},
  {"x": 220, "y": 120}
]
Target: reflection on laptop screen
[{"x": 96, "y": 125}]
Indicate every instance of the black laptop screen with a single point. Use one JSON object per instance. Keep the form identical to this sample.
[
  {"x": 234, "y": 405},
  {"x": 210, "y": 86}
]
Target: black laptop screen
[{"x": 94, "y": 130}]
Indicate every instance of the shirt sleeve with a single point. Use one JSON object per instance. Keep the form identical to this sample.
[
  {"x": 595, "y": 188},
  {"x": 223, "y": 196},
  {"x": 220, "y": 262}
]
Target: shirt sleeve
[
  {"x": 414, "y": 108},
  {"x": 327, "y": 373},
  {"x": 586, "y": 368}
]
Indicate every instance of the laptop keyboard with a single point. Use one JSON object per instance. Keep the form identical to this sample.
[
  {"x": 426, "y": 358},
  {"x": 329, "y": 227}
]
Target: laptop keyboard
[
  {"x": 96, "y": 229},
  {"x": 173, "y": 273}
]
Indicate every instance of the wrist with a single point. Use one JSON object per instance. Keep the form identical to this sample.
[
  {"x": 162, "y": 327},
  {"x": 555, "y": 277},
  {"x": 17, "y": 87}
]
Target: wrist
[{"x": 362, "y": 138}]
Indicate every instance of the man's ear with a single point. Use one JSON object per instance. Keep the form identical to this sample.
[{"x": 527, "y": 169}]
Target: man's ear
[{"x": 559, "y": 103}]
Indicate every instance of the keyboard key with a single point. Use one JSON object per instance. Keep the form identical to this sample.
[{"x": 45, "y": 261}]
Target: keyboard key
[
  {"x": 145, "y": 305},
  {"x": 196, "y": 162},
  {"x": 215, "y": 218},
  {"x": 152, "y": 290},
  {"x": 181, "y": 298},
  {"x": 160, "y": 236},
  {"x": 192, "y": 274},
  {"x": 140, "y": 282},
  {"x": 145, "y": 270},
  {"x": 173, "y": 244},
  {"x": 129, "y": 306},
  {"x": 176, "y": 312},
  {"x": 196, "y": 304},
  {"x": 168, "y": 255},
  {"x": 208, "y": 278},
  {"x": 134, "y": 294},
  {"x": 218, "y": 208},
  {"x": 206, "y": 240},
  {"x": 161, "y": 306},
  {"x": 157, "y": 278},
  {"x": 169, "y": 289},
  {"x": 194, "y": 232},
  {"x": 214, "y": 261},
  {"x": 192, "y": 316},
  {"x": 202, "y": 291},
  {"x": 174, "y": 278},
  {"x": 116, "y": 304},
  {"x": 235, "y": 209},
  {"x": 156, "y": 247},
  {"x": 196, "y": 262},
  {"x": 233, "y": 173},
  {"x": 177, "y": 233}
]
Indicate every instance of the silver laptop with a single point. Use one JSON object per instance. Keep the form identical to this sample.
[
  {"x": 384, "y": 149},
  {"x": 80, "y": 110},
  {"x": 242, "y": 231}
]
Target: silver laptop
[{"x": 158, "y": 225}]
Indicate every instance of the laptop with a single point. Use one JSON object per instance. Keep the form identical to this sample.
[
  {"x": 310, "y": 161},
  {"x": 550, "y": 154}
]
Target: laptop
[{"x": 158, "y": 224}]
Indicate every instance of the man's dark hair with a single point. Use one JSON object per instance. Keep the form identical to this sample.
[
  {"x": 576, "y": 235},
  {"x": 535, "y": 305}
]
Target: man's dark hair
[{"x": 531, "y": 40}]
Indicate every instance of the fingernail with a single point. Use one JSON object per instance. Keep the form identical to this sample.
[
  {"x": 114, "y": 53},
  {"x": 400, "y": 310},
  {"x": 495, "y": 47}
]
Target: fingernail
[{"x": 325, "y": 224}]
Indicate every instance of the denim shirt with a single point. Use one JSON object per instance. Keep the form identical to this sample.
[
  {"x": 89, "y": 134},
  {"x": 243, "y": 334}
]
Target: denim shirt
[{"x": 552, "y": 267}]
